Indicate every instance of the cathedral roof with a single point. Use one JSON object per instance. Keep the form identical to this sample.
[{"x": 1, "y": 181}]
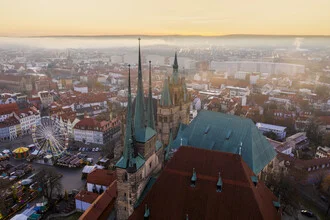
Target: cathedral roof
[
  {"x": 165, "y": 99},
  {"x": 227, "y": 133},
  {"x": 139, "y": 161},
  {"x": 144, "y": 134},
  {"x": 172, "y": 197}
]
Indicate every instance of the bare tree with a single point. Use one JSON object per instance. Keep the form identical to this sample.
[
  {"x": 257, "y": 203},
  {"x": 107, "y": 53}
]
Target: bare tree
[
  {"x": 50, "y": 183},
  {"x": 285, "y": 188}
]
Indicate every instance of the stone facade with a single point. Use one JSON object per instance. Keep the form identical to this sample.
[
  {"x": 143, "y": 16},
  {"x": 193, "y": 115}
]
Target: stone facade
[
  {"x": 131, "y": 185},
  {"x": 174, "y": 105},
  {"x": 169, "y": 118}
]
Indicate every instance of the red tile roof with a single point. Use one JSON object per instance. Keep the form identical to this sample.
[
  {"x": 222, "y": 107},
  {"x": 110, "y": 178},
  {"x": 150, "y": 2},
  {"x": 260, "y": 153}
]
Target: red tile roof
[
  {"x": 103, "y": 205},
  {"x": 8, "y": 108},
  {"x": 101, "y": 177},
  {"x": 86, "y": 196},
  {"x": 172, "y": 197}
]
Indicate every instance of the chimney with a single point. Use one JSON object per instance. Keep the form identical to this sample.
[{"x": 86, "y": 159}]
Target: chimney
[
  {"x": 219, "y": 184},
  {"x": 193, "y": 178},
  {"x": 146, "y": 213}
]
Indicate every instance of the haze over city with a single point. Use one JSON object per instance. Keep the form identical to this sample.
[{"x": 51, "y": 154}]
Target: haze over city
[{"x": 148, "y": 109}]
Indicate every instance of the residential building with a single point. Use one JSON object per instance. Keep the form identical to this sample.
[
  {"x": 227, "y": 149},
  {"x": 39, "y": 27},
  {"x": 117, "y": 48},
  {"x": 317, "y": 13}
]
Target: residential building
[
  {"x": 99, "y": 180},
  {"x": 28, "y": 118},
  {"x": 194, "y": 174},
  {"x": 282, "y": 147},
  {"x": 322, "y": 152},
  {"x": 6, "y": 110},
  {"x": 84, "y": 199},
  {"x": 80, "y": 88},
  {"x": 89, "y": 130},
  {"x": 280, "y": 131},
  {"x": 298, "y": 141},
  {"x": 10, "y": 129},
  {"x": 46, "y": 98},
  {"x": 98, "y": 201}
]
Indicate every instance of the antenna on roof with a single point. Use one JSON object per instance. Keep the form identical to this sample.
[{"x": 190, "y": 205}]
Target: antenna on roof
[
  {"x": 240, "y": 149},
  {"x": 146, "y": 212}
]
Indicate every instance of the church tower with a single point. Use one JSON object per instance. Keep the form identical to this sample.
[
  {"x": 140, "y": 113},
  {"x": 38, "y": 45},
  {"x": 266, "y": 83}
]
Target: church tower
[
  {"x": 142, "y": 153},
  {"x": 174, "y": 105}
]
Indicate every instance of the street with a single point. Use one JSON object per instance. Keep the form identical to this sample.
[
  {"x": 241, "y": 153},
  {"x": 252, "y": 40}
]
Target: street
[{"x": 300, "y": 217}]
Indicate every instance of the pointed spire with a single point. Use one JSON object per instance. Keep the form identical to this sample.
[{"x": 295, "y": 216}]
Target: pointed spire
[
  {"x": 128, "y": 143},
  {"x": 193, "y": 178},
  {"x": 150, "y": 110},
  {"x": 175, "y": 64},
  {"x": 175, "y": 70},
  {"x": 169, "y": 146},
  {"x": 139, "y": 114},
  {"x": 146, "y": 212},
  {"x": 219, "y": 184},
  {"x": 165, "y": 100}
]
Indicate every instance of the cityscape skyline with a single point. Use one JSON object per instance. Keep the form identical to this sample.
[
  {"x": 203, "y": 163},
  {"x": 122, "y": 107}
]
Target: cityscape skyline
[{"x": 38, "y": 18}]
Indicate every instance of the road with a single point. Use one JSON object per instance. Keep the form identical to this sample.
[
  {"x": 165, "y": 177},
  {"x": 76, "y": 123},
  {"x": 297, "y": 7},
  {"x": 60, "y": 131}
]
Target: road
[{"x": 300, "y": 217}]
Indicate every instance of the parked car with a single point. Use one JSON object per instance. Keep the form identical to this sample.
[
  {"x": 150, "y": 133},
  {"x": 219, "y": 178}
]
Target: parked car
[
  {"x": 307, "y": 213},
  {"x": 324, "y": 199}
]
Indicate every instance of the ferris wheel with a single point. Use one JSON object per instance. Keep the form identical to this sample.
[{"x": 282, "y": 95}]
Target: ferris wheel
[{"x": 50, "y": 137}]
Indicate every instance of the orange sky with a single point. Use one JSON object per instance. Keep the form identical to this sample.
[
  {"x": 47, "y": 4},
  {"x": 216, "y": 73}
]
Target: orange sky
[{"x": 207, "y": 17}]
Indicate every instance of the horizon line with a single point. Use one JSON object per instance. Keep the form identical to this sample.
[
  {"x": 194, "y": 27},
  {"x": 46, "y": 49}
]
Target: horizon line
[{"x": 167, "y": 35}]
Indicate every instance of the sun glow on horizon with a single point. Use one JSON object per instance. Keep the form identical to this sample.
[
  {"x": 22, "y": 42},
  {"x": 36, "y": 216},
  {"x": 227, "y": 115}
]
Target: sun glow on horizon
[{"x": 154, "y": 17}]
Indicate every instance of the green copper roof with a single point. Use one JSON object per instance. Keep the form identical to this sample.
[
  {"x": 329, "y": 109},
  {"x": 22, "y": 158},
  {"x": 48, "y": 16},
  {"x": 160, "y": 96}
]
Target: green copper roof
[
  {"x": 128, "y": 158},
  {"x": 165, "y": 100},
  {"x": 144, "y": 134},
  {"x": 139, "y": 161},
  {"x": 150, "y": 107},
  {"x": 139, "y": 114},
  {"x": 223, "y": 132}
]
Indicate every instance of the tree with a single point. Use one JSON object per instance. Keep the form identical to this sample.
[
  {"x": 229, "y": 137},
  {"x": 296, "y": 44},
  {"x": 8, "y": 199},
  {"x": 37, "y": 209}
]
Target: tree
[
  {"x": 326, "y": 140},
  {"x": 284, "y": 187},
  {"x": 50, "y": 183},
  {"x": 322, "y": 91},
  {"x": 312, "y": 132}
]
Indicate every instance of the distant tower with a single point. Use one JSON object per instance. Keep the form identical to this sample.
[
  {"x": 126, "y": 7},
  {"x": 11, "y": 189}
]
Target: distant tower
[
  {"x": 143, "y": 154},
  {"x": 174, "y": 105}
]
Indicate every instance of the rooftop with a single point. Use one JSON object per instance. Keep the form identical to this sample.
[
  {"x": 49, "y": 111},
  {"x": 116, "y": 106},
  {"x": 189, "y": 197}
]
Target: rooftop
[
  {"x": 270, "y": 126},
  {"x": 101, "y": 177},
  {"x": 86, "y": 196},
  {"x": 172, "y": 197},
  {"x": 227, "y": 133}
]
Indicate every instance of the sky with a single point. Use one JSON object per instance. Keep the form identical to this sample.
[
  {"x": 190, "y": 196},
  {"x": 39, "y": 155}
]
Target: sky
[{"x": 164, "y": 17}]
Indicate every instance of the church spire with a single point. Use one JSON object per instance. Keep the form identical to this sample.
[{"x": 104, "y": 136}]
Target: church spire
[
  {"x": 139, "y": 114},
  {"x": 165, "y": 99},
  {"x": 150, "y": 110},
  {"x": 128, "y": 144},
  {"x": 175, "y": 70}
]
